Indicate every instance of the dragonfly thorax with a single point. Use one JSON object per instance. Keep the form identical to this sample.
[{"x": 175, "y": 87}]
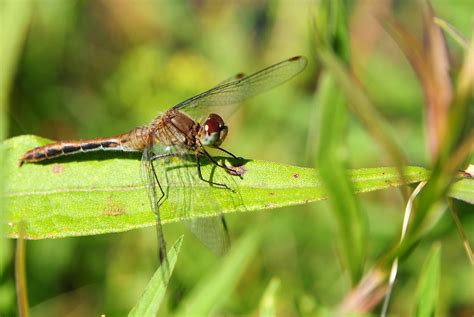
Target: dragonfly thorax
[{"x": 213, "y": 131}]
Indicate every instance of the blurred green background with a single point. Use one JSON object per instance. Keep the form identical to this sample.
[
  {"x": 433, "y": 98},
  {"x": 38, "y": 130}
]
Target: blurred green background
[{"x": 98, "y": 68}]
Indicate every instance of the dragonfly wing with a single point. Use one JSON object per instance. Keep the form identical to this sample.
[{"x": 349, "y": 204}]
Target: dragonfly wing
[
  {"x": 151, "y": 182},
  {"x": 233, "y": 78},
  {"x": 212, "y": 232},
  {"x": 187, "y": 197},
  {"x": 232, "y": 92}
]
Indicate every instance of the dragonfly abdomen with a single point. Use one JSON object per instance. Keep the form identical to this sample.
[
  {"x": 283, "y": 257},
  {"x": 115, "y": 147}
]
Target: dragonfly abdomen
[
  {"x": 125, "y": 142},
  {"x": 132, "y": 141},
  {"x": 54, "y": 150}
]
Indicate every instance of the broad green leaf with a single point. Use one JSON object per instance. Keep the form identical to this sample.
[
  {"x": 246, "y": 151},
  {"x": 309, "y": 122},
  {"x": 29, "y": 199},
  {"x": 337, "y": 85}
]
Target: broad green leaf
[
  {"x": 268, "y": 301},
  {"x": 103, "y": 192},
  {"x": 150, "y": 301},
  {"x": 428, "y": 284},
  {"x": 215, "y": 288}
]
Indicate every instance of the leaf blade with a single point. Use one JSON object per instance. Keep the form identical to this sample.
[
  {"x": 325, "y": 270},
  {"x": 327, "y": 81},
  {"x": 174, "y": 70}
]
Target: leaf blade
[
  {"x": 150, "y": 301},
  {"x": 428, "y": 284},
  {"x": 97, "y": 195},
  {"x": 214, "y": 289}
]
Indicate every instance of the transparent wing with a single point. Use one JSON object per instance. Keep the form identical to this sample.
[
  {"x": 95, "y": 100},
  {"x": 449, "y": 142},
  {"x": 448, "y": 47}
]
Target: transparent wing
[
  {"x": 233, "y": 78},
  {"x": 212, "y": 232},
  {"x": 232, "y": 92},
  {"x": 186, "y": 195},
  {"x": 149, "y": 178}
]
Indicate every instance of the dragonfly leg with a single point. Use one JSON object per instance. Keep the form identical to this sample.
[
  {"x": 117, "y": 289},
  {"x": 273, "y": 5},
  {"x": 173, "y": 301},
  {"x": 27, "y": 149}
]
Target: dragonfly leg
[
  {"x": 209, "y": 156},
  {"x": 158, "y": 203},
  {"x": 157, "y": 157},
  {"x": 198, "y": 164},
  {"x": 229, "y": 170},
  {"x": 159, "y": 231},
  {"x": 227, "y": 152}
]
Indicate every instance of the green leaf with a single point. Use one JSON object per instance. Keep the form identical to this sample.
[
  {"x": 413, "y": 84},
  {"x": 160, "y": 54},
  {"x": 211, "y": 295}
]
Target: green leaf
[
  {"x": 150, "y": 301},
  {"x": 361, "y": 106},
  {"x": 268, "y": 301},
  {"x": 15, "y": 17},
  {"x": 102, "y": 192},
  {"x": 463, "y": 190},
  {"x": 333, "y": 169},
  {"x": 215, "y": 288},
  {"x": 428, "y": 284}
]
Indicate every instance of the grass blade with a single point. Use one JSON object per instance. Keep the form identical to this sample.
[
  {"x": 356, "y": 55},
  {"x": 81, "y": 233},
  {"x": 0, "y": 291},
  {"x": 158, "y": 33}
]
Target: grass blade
[
  {"x": 150, "y": 301},
  {"x": 331, "y": 157},
  {"x": 20, "y": 278},
  {"x": 351, "y": 220},
  {"x": 209, "y": 295},
  {"x": 268, "y": 301},
  {"x": 428, "y": 284}
]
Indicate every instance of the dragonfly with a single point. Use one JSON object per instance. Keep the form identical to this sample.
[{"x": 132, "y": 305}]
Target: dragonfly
[{"x": 185, "y": 131}]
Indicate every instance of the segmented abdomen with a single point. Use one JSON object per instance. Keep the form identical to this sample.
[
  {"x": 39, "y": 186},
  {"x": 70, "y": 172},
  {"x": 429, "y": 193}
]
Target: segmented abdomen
[{"x": 135, "y": 140}]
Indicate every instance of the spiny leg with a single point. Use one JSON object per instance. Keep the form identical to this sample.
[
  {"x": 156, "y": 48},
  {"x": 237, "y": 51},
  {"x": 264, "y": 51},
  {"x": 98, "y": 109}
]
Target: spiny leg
[
  {"x": 209, "y": 156},
  {"x": 198, "y": 164},
  {"x": 159, "y": 230},
  {"x": 227, "y": 152},
  {"x": 157, "y": 157}
]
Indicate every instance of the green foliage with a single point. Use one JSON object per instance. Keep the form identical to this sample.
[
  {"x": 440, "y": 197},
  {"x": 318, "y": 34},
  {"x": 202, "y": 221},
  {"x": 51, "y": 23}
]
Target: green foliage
[
  {"x": 428, "y": 284},
  {"x": 95, "y": 68},
  {"x": 98, "y": 195},
  {"x": 268, "y": 302},
  {"x": 213, "y": 290},
  {"x": 150, "y": 301},
  {"x": 332, "y": 163}
]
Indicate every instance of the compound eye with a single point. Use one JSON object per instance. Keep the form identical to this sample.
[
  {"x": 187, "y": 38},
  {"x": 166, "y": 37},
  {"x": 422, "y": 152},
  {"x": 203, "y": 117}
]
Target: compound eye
[
  {"x": 213, "y": 124},
  {"x": 213, "y": 131}
]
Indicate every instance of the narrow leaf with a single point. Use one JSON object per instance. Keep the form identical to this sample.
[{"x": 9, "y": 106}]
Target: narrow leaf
[
  {"x": 428, "y": 284},
  {"x": 15, "y": 17},
  {"x": 215, "y": 288},
  {"x": 430, "y": 60},
  {"x": 268, "y": 301},
  {"x": 361, "y": 106},
  {"x": 150, "y": 301},
  {"x": 333, "y": 163},
  {"x": 101, "y": 194}
]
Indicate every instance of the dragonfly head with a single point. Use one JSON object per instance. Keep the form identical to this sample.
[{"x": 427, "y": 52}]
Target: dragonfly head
[{"x": 213, "y": 131}]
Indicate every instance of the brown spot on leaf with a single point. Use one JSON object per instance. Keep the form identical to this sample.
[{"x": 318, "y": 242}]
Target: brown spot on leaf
[
  {"x": 296, "y": 175},
  {"x": 57, "y": 169},
  {"x": 114, "y": 209}
]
